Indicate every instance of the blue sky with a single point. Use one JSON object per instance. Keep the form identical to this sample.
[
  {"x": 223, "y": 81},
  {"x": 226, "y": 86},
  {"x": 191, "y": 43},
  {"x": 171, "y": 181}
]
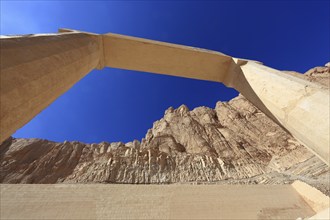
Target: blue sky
[{"x": 120, "y": 105}]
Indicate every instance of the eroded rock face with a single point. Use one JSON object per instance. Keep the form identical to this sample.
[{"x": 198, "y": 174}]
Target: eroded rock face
[
  {"x": 320, "y": 74},
  {"x": 233, "y": 143}
]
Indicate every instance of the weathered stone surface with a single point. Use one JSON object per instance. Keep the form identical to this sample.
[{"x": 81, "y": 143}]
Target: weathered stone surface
[
  {"x": 319, "y": 75},
  {"x": 175, "y": 201}
]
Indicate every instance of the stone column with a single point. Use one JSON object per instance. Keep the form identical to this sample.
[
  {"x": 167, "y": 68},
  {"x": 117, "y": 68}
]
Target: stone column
[
  {"x": 299, "y": 106},
  {"x": 36, "y": 69}
]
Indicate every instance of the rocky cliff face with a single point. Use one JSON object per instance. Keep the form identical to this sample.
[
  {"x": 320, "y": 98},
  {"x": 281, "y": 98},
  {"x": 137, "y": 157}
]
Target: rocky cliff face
[
  {"x": 233, "y": 143},
  {"x": 319, "y": 75}
]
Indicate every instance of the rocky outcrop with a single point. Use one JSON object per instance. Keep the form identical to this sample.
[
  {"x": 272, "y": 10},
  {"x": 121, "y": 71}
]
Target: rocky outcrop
[
  {"x": 233, "y": 143},
  {"x": 319, "y": 75}
]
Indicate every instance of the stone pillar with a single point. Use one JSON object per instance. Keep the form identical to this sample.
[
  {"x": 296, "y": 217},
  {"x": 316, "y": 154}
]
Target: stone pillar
[
  {"x": 37, "y": 69},
  {"x": 299, "y": 106}
]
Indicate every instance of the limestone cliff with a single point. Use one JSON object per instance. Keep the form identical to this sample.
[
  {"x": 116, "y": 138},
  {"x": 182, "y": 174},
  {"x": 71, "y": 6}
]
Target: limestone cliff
[{"x": 233, "y": 143}]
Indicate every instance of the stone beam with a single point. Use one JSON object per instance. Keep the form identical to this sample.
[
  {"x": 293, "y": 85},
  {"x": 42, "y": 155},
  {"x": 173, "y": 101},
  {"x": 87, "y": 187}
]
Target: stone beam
[
  {"x": 301, "y": 107},
  {"x": 164, "y": 58}
]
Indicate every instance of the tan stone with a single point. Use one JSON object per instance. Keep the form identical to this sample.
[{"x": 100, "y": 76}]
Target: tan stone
[
  {"x": 324, "y": 214},
  {"x": 35, "y": 70},
  {"x": 99, "y": 201},
  {"x": 313, "y": 197},
  {"x": 300, "y": 106}
]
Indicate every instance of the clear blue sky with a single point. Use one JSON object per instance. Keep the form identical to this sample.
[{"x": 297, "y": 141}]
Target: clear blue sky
[{"x": 118, "y": 105}]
